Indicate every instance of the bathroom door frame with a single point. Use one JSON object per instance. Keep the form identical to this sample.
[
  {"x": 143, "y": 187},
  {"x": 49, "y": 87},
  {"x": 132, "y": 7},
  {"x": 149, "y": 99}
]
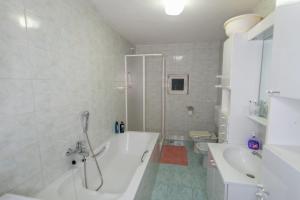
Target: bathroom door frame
[{"x": 163, "y": 86}]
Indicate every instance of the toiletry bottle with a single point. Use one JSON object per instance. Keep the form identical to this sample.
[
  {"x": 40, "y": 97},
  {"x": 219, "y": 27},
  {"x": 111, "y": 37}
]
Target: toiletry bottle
[
  {"x": 253, "y": 143},
  {"x": 122, "y": 127},
  {"x": 116, "y": 127}
]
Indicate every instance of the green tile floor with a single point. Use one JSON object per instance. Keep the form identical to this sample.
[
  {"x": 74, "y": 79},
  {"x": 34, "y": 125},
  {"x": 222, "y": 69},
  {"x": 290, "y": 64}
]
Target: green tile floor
[{"x": 175, "y": 182}]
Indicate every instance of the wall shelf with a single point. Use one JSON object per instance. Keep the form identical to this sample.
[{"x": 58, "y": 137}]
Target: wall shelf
[
  {"x": 259, "y": 120},
  {"x": 223, "y": 87},
  {"x": 221, "y": 77}
]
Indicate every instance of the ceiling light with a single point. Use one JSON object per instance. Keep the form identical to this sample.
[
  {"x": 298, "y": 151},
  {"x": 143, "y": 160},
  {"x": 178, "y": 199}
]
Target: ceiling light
[
  {"x": 174, "y": 7},
  {"x": 27, "y": 22}
]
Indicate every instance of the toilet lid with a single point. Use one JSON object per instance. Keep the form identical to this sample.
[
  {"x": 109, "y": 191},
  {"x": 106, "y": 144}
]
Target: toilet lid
[
  {"x": 200, "y": 134},
  {"x": 202, "y": 146}
]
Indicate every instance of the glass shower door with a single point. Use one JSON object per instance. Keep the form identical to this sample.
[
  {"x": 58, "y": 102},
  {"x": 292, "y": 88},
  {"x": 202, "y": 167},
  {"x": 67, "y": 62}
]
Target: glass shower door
[
  {"x": 135, "y": 93},
  {"x": 145, "y": 93},
  {"x": 153, "y": 94}
]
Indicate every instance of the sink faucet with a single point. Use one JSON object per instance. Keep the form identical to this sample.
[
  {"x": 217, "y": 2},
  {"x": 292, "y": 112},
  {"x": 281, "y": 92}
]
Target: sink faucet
[
  {"x": 79, "y": 149},
  {"x": 256, "y": 153}
]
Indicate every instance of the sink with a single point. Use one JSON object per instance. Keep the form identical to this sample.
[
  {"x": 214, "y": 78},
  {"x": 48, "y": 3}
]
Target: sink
[{"x": 242, "y": 160}]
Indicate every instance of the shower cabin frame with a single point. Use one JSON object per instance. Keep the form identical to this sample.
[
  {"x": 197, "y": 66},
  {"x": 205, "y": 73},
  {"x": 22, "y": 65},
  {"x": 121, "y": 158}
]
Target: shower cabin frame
[{"x": 163, "y": 87}]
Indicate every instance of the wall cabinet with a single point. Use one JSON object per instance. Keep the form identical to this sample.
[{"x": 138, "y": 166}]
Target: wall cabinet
[
  {"x": 285, "y": 70},
  {"x": 241, "y": 73}
]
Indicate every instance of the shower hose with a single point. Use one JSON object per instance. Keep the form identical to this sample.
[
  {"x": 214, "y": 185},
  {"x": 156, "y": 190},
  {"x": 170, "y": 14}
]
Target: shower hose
[{"x": 85, "y": 122}]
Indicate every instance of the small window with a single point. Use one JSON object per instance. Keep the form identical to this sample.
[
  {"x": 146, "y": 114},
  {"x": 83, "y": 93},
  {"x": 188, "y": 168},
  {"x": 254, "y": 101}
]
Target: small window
[{"x": 178, "y": 84}]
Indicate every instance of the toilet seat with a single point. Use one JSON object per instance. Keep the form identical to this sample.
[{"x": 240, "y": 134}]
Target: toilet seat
[
  {"x": 198, "y": 135},
  {"x": 202, "y": 147}
]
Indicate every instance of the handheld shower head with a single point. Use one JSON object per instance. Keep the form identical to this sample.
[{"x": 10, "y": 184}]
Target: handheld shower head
[{"x": 85, "y": 120}]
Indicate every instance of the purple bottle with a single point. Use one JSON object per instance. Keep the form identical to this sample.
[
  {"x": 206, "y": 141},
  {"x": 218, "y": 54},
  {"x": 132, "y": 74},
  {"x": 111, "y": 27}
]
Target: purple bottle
[{"x": 253, "y": 143}]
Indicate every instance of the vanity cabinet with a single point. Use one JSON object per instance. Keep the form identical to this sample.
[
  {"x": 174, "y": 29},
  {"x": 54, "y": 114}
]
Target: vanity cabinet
[
  {"x": 285, "y": 70},
  {"x": 216, "y": 189}
]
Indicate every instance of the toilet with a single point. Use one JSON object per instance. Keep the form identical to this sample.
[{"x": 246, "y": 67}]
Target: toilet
[{"x": 201, "y": 140}]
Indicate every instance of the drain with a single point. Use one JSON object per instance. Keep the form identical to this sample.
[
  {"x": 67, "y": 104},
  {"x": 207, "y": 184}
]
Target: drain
[{"x": 250, "y": 175}]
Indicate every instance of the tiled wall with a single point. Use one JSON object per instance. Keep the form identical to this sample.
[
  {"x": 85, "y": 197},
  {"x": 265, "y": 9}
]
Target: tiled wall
[
  {"x": 57, "y": 58},
  {"x": 202, "y": 62},
  {"x": 265, "y": 7}
]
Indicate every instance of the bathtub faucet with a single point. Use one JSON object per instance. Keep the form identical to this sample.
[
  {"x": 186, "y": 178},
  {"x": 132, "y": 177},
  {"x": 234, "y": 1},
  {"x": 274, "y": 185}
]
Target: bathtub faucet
[{"x": 79, "y": 149}]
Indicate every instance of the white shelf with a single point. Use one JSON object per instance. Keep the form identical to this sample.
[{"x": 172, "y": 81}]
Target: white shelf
[
  {"x": 221, "y": 77},
  {"x": 259, "y": 120},
  {"x": 223, "y": 87}
]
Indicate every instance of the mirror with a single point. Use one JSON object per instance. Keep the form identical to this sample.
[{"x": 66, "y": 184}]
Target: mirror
[{"x": 265, "y": 65}]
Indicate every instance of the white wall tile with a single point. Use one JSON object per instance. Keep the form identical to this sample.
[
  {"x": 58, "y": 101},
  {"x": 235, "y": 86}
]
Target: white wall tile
[
  {"x": 65, "y": 61},
  {"x": 16, "y": 96},
  {"x": 15, "y": 62},
  {"x": 17, "y": 132},
  {"x": 12, "y": 21},
  {"x": 201, "y": 61}
]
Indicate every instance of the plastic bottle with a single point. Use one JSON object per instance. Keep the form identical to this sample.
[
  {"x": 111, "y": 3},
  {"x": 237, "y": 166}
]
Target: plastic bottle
[
  {"x": 253, "y": 143},
  {"x": 116, "y": 127},
  {"x": 122, "y": 127}
]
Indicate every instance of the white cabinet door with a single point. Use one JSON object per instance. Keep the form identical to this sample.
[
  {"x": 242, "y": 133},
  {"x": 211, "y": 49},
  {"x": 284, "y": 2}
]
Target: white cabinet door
[
  {"x": 215, "y": 183},
  {"x": 210, "y": 183},
  {"x": 280, "y": 180},
  {"x": 210, "y": 178},
  {"x": 285, "y": 70},
  {"x": 219, "y": 186},
  {"x": 273, "y": 185}
]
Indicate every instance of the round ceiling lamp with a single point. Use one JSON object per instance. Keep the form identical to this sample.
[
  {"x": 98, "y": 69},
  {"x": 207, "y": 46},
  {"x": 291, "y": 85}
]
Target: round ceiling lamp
[{"x": 174, "y": 7}]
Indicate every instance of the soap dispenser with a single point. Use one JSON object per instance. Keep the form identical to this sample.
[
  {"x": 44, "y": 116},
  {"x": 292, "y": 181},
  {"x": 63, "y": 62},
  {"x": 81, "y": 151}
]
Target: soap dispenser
[{"x": 253, "y": 142}]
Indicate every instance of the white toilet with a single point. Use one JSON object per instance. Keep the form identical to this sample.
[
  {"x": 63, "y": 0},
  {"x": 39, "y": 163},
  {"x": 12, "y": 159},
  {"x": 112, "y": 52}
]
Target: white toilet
[{"x": 201, "y": 140}]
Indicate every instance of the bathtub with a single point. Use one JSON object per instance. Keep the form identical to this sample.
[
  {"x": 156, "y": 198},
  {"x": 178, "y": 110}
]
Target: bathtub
[{"x": 129, "y": 165}]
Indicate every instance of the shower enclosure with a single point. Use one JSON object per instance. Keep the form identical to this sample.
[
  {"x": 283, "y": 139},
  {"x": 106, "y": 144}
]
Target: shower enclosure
[{"x": 145, "y": 92}]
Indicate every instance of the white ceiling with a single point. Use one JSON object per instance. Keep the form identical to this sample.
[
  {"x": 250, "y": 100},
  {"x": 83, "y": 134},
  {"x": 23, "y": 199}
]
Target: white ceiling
[{"x": 145, "y": 22}]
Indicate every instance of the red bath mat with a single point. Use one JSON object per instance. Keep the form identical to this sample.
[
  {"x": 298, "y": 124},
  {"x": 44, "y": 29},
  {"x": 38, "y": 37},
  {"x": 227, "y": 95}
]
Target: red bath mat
[{"x": 174, "y": 155}]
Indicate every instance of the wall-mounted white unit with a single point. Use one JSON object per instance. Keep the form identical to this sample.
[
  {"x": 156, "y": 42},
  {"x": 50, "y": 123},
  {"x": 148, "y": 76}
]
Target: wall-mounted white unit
[
  {"x": 284, "y": 122},
  {"x": 283, "y": 79},
  {"x": 285, "y": 70},
  {"x": 241, "y": 67}
]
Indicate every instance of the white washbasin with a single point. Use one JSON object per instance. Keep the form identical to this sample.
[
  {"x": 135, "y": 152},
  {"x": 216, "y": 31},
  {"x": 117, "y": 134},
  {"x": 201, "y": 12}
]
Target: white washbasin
[
  {"x": 242, "y": 160},
  {"x": 15, "y": 197}
]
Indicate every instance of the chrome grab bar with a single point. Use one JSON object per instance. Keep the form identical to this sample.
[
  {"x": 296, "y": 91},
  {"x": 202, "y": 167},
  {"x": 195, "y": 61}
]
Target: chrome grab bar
[
  {"x": 142, "y": 159},
  {"x": 100, "y": 152}
]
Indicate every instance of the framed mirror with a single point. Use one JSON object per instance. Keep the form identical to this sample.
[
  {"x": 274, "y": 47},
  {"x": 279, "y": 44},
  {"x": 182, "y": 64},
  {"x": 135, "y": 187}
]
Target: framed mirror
[{"x": 265, "y": 65}]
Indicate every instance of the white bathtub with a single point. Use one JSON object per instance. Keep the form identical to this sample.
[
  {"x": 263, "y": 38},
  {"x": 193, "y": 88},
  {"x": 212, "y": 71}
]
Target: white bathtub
[{"x": 126, "y": 177}]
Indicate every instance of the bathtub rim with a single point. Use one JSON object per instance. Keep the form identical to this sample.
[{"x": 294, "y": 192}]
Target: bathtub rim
[{"x": 52, "y": 190}]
